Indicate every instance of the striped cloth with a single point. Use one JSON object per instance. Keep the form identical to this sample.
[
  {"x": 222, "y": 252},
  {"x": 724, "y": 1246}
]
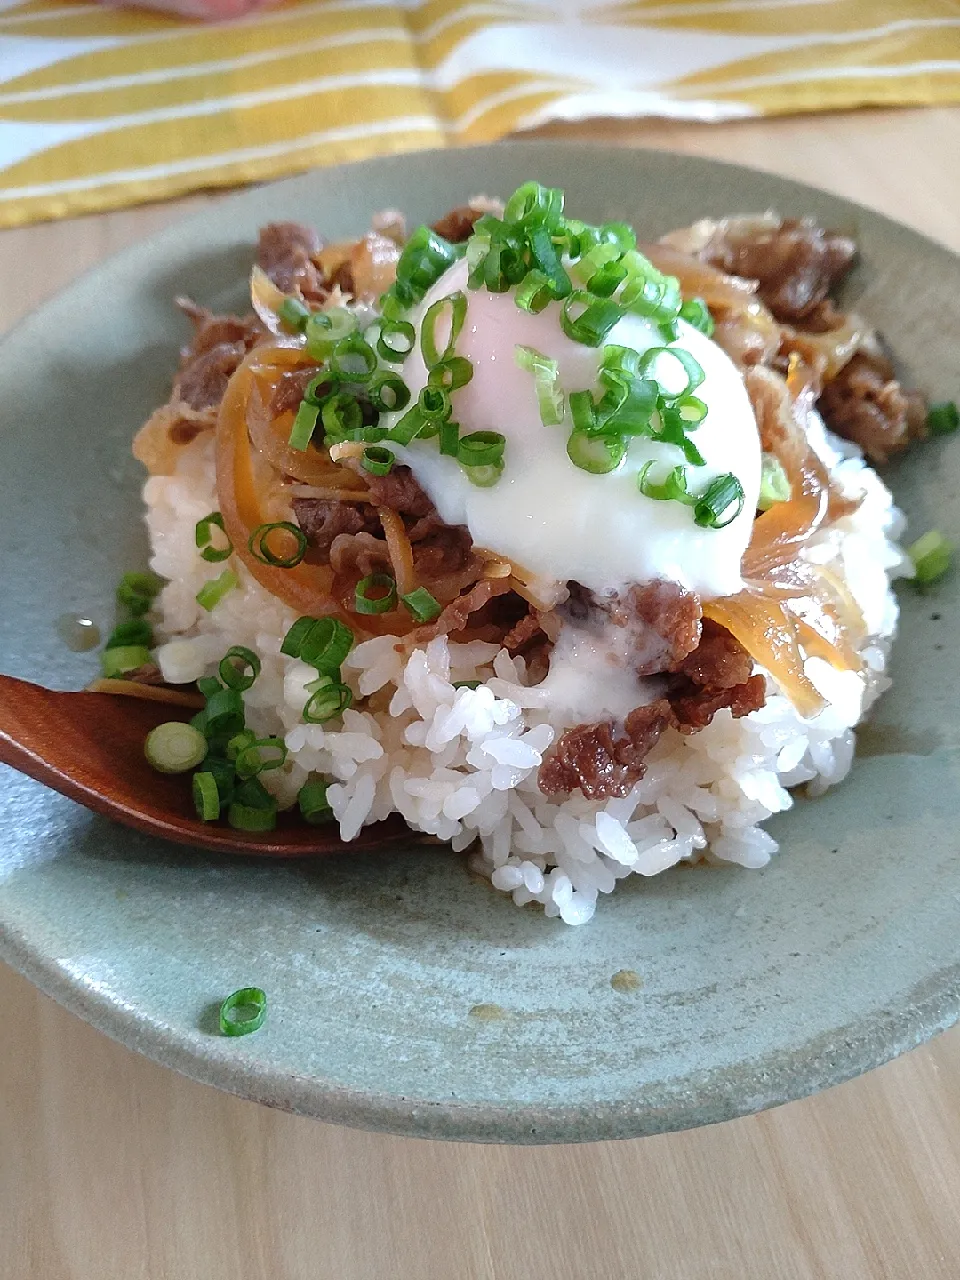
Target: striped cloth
[{"x": 103, "y": 107}]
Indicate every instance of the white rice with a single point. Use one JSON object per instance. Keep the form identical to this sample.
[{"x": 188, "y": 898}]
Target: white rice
[{"x": 461, "y": 764}]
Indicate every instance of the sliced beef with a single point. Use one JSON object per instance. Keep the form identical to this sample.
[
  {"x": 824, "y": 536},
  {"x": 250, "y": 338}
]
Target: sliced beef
[
  {"x": 796, "y": 264},
  {"x": 591, "y": 758},
  {"x": 323, "y": 520},
  {"x": 864, "y": 403},
  {"x": 356, "y": 555},
  {"x": 719, "y": 661},
  {"x": 290, "y": 389},
  {"x": 694, "y": 707},
  {"x": 211, "y": 330},
  {"x": 713, "y": 675},
  {"x": 445, "y": 552},
  {"x": 456, "y": 616},
  {"x": 669, "y": 624},
  {"x": 285, "y": 251},
  {"x": 202, "y": 381},
  {"x": 521, "y": 633},
  {"x": 399, "y": 491},
  {"x": 457, "y": 225}
]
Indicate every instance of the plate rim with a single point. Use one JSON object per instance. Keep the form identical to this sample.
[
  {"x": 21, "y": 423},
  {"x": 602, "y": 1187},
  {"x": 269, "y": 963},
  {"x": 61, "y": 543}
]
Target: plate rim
[{"x": 933, "y": 1005}]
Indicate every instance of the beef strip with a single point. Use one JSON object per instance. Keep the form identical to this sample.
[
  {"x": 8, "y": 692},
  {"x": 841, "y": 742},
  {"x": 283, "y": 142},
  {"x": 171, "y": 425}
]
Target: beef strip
[
  {"x": 202, "y": 381},
  {"x": 669, "y": 618},
  {"x": 290, "y": 389},
  {"x": 601, "y": 765},
  {"x": 718, "y": 662},
  {"x": 323, "y": 520},
  {"x": 795, "y": 264},
  {"x": 712, "y": 675},
  {"x": 864, "y": 403},
  {"x": 457, "y": 225},
  {"x": 285, "y": 251},
  {"x": 399, "y": 491},
  {"x": 694, "y": 707}
]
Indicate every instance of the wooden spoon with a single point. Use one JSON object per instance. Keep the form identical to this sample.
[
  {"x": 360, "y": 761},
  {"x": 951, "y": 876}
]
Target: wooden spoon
[{"x": 89, "y": 746}]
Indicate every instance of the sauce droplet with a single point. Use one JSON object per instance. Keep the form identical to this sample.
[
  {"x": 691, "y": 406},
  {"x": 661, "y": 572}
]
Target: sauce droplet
[
  {"x": 487, "y": 1012},
  {"x": 78, "y": 633},
  {"x": 625, "y": 981}
]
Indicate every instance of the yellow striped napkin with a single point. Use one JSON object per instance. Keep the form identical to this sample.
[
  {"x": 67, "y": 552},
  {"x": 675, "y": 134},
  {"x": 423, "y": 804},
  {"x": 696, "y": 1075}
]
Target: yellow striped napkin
[{"x": 103, "y": 107}]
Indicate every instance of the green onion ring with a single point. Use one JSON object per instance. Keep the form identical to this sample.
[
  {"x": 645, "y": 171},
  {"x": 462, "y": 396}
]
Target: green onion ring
[{"x": 260, "y": 549}]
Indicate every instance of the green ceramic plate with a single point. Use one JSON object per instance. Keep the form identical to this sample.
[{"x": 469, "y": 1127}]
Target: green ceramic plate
[{"x": 756, "y": 986}]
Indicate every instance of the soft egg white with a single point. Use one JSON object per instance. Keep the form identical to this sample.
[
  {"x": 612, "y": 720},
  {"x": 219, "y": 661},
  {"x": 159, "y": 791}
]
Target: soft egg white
[{"x": 548, "y": 515}]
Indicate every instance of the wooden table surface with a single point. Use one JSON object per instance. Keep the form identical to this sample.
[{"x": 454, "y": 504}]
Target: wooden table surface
[{"x": 112, "y": 1168}]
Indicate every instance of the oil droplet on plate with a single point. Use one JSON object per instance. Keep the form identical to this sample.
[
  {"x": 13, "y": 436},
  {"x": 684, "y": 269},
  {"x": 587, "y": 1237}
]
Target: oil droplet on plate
[
  {"x": 625, "y": 981},
  {"x": 78, "y": 633},
  {"x": 488, "y": 1012}
]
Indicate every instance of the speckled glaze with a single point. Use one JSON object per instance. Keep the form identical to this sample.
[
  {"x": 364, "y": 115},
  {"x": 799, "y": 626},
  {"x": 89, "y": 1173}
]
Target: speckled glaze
[{"x": 405, "y": 995}]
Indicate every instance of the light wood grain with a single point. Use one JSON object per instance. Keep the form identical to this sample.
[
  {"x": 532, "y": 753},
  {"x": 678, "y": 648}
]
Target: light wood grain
[{"x": 112, "y": 1168}]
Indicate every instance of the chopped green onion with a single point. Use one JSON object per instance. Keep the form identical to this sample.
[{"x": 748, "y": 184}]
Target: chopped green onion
[
  {"x": 481, "y": 449},
  {"x": 207, "y": 685},
  {"x": 328, "y": 698},
  {"x": 673, "y": 489},
  {"x": 451, "y": 373},
  {"x": 534, "y": 292},
  {"x": 304, "y": 425},
  {"x": 260, "y": 548},
  {"x": 253, "y": 808},
  {"x": 484, "y": 477},
  {"x": 341, "y": 414},
  {"x": 546, "y": 379},
  {"x": 425, "y": 257},
  {"x": 661, "y": 364},
  {"x": 588, "y": 320},
  {"x": 774, "y": 483},
  {"x": 353, "y": 359},
  {"x": 696, "y": 312},
  {"x": 713, "y": 507},
  {"x": 673, "y": 430},
  {"x": 174, "y": 747},
  {"x": 325, "y": 329},
  {"x": 377, "y": 460},
  {"x": 691, "y": 412},
  {"x": 647, "y": 292},
  {"x": 943, "y": 419},
  {"x": 388, "y": 392},
  {"x": 456, "y": 304},
  {"x": 605, "y": 282},
  {"x": 204, "y": 538},
  {"x": 620, "y": 234},
  {"x": 260, "y": 756},
  {"x": 224, "y": 776},
  {"x": 450, "y": 438},
  {"x": 547, "y": 260},
  {"x": 135, "y": 632},
  {"x": 422, "y": 605},
  {"x": 206, "y": 796},
  {"x": 533, "y": 205},
  {"x": 293, "y": 314},
  {"x": 137, "y": 591},
  {"x": 397, "y": 339},
  {"x": 223, "y": 714},
  {"x": 313, "y": 802},
  {"x": 119, "y": 659},
  {"x": 434, "y": 403},
  {"x": 319, "y": 388},
  {"x": 597, "y": 454},
  {"x": 239, "y": 667},
  {"x": 409, "y": 426},
  {"x": 467, "y": 684},
  {"x": 212, "y": 592},
  {"x": 243, "y": 1012},
  {"x": 583, "y": 411},
  {"x": 365, "y": 602},
  {"x": 320, "y": 642},
  {"x": 239, "y": 742},
  {"x": 931, "y": 555}
]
